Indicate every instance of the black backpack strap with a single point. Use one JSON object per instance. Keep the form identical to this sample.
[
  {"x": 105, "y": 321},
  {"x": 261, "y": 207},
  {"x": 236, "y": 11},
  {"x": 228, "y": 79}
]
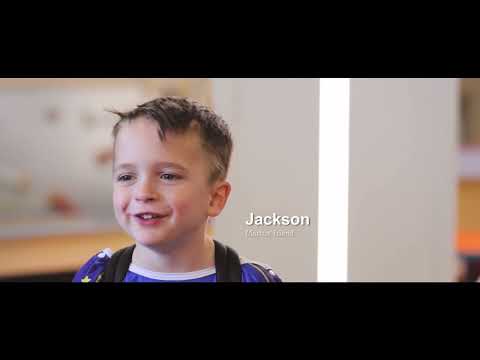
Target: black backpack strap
[
  {"x": 262, "y": 271},
  {"x": 118, "y": 265},
  {"x": 227, "y": 264}
]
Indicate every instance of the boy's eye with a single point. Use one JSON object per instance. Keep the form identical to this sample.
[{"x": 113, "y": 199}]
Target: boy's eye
[
  {"x": 169, "y": 177},
  {"x": 123, "y": 178}
]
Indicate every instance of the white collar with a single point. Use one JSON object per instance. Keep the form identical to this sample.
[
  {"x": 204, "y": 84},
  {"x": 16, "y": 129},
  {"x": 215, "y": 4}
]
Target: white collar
[{"x": 171, "y": 276}]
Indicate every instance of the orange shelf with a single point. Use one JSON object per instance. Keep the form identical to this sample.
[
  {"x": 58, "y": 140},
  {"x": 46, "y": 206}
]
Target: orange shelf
[
  {"x": 468, "y": 242},
  {"x": 51, "y": 254}
]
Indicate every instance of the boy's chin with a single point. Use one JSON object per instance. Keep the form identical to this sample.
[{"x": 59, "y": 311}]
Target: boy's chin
[{"x": 150, "y": 239}]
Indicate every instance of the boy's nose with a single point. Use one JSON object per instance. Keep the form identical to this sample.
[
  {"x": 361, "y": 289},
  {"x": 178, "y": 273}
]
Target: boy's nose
[
  {"x": 145, "y": 192},
  {"x": 144, "y": 197}
]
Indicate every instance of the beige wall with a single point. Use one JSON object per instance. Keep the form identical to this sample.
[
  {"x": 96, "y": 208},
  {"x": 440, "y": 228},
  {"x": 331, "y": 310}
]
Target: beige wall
[
  {"x": 403, "y": 179},
  {"x": 274, "y": 168}
]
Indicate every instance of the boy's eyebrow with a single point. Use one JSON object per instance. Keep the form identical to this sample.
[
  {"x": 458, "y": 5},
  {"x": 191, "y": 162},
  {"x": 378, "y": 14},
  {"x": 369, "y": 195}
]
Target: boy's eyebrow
[
  {"x": 127, "y": 166},
  {"x": 124, "y": 167},
  {"x": 164, "y": 164}
]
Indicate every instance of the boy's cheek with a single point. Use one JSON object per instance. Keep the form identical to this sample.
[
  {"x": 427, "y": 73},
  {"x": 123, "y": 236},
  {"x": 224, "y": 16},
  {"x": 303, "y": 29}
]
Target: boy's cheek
[
  {"x": 182, "y": 208},
  {"x": 189, "y": 206},
  {"x": 120, "y": 202},
  {"x": 186, "y": 207},
  {"x": 119, "y": 209}
]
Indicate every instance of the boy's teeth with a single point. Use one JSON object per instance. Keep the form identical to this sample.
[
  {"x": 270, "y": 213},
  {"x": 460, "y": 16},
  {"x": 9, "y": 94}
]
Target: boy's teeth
[{"x": 147, "y": 216}]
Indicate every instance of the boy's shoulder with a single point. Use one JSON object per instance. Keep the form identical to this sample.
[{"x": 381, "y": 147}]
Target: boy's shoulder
[
  {"x": 94, "y": 268},
  {"x": 252, "y": 271}
]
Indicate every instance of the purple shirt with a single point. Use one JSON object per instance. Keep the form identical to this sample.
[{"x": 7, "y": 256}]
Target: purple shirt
[{"x": 94, "y": 268}]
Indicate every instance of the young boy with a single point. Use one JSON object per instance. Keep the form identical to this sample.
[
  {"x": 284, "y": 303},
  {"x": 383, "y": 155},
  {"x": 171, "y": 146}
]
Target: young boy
[{"x": 170, "y": 163}]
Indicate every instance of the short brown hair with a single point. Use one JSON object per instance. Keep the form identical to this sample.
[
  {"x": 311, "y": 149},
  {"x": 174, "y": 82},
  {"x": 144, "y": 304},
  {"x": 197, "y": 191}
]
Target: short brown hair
[{"x": 178, "y": 114}]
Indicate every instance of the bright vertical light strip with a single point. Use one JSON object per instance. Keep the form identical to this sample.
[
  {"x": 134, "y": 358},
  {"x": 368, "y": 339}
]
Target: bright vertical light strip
[{"x": 333, "y": 172}]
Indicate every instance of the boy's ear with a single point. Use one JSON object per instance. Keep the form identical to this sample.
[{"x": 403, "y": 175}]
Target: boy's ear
[{"x": 218, "y": 197}]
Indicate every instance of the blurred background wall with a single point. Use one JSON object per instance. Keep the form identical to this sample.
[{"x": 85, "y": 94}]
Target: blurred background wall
[
  {"x": 403, "y": 179},
  {"x": 403, "y": 174},
  {"x": 274, "y": 169}
]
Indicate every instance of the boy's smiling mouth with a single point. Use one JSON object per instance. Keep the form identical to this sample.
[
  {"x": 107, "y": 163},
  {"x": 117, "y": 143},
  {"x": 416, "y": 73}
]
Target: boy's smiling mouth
[
  {"x": 148, "y": 215},
  {"x": 149, "y": 218}
]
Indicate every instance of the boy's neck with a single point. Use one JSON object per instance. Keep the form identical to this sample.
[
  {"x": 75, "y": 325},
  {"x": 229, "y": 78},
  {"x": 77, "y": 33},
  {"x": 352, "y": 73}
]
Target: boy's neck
[{"x": 187, "y": 256}]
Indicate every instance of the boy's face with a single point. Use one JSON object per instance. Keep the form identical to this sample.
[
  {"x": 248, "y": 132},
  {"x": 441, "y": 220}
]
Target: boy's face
[{"x": 166, "y": 178}]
